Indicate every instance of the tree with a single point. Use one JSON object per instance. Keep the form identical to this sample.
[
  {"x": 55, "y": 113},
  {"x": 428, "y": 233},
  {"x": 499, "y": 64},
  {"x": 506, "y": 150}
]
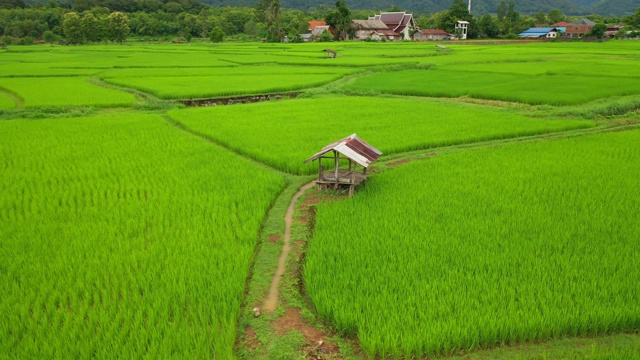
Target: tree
[
  {"x": 598, "y": 30},
  {"x": 217, "y": 35},
  {"x": 326, "y": 36},
  {"x": 118, "y": 26},
  {"x": 273, "y": 21},
  {"x": 487, "y": 27},
  {"x": 90, "y": 27},
  {"x": 459, "y": 11},
  {"x": 340, "y": 20},
  {"x": 72, "y": 28},
  {"x": 633, "y": 20},
  {"x": 512, "y": 15},
  {"x": 49, "y": 37},
  {"x": 555, "y": 16},
  {"x": 540, "y": 17},
  {"x": 394, "y": 8},
  {"x": 502, "y": 10},
  {"x": 187, "y": 24},
  {"x": 12, "y": 4}
]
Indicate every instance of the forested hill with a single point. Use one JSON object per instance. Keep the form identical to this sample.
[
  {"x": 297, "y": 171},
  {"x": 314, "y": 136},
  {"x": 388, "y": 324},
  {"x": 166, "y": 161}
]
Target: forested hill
[{"x": 569, "y": 7}]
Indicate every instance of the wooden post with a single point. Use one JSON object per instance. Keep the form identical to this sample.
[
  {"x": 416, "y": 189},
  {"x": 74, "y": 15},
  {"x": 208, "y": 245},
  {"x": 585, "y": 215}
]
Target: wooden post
[
  {"x": 353, "y": 173},
  {"x": 337, "y": 161},
  {"x": 320, "y": 170}
]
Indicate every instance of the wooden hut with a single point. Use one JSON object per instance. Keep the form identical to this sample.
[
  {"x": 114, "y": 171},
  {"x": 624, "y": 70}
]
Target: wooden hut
[{"x": 353, "y": 149}]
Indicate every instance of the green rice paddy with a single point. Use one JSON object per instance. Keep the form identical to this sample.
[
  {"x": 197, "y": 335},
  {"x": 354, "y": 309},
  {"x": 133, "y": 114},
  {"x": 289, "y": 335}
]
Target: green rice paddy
[
  {"x": 122, "y": 237},
  {"x": 549, "y": 89},
  {"x": 469, "y": 250},
  {"x": 64, "y": 91},
  {"x": 286, "y": 133},
  {"x": 6, "y": 101},
  {"x": 502, "y": 212}
]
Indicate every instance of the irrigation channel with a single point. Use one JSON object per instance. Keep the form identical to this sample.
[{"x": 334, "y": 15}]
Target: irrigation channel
[{"x": 238, "y": 99}]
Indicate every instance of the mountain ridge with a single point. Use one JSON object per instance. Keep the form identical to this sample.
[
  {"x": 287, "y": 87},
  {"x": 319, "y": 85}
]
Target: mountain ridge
[{"x": 478, "y": 7}]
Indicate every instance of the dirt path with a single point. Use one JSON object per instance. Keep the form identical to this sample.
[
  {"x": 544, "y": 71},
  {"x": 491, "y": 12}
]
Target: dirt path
[{"x": 271, "y": 302}]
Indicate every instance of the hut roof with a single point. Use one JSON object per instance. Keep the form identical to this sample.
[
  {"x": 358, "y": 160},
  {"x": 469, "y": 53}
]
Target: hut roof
[{"x": 353, "y": 148}]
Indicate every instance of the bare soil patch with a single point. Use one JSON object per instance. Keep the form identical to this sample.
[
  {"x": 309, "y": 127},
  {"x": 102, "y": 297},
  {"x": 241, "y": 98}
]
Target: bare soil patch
[
  {"x": 317, "y": 346},
  {"x": 250, "y": 338},
  {"x": 273, "y": 238}
]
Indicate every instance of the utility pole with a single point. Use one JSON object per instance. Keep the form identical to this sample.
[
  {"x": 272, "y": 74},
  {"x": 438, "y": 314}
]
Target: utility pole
[{"x": 469, "y": 6}]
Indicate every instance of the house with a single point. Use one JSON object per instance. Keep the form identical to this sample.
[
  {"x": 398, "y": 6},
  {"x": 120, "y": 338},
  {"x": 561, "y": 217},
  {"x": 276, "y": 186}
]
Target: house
[
  {"x": 353, "y": 149},
  {"x": 612, "y": 31},
  {"x": 431, "y": 34},
  {"x": 580, "y": 28},
  {"x": 317, "y": 27},
  {"x": 373, "y": 29},
  {"x": 548, "y": 33},
  {"x": 399, "y": 22},
  {"x": 462, "y": 27},
  {"x": 561, "y": 26},
  {"x": 315, "y": 23}
]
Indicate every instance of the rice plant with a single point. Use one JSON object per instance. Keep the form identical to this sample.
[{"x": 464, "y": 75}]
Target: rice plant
[
  {"x": 190, "y": 87},
  {"x": 122, "y": 237},
  {"x": 520, "y": 243},
  {"x": 64, "y": 91},
  {"x": 285, "y": 133},
  {"x": 530, "y": 89},
  {"x": 6, "y": 102}
]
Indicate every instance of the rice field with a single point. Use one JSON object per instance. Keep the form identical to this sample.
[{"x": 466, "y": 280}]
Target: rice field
[
  {"x": 490, "y": 247},
  {"x": 530, "y": 89},
  {"x": 122, "y": 237},
  {"x": 64, "y": 91},
  {"x": 128, "y": 225},
  {"x": 6, "y": 102},
  {"x": 196, "y": 87},
  {"x": 285, "y": 133}
]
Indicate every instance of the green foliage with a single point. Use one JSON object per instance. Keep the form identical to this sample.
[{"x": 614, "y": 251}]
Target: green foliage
[
  {"x": 126, "y": 235},
  {"x": 520, "y": 243},
  {"x": 27, "y": 40},
  {"x": 634, "y": 20},
  {"x": 118, "y": 26},
  {"x": 487, "y": 27},
  {"x": 50, "y": 37},
  {"x": 72, "y": 26},
  {"x": 303, "y": 126},
  {"x": 598, "y": 30},
  {"x": 555, "y": 16},
  {"x": 325, "y": 37},
  {"x": 216, "y": 35},
  {"x": 340, "y": 20}
]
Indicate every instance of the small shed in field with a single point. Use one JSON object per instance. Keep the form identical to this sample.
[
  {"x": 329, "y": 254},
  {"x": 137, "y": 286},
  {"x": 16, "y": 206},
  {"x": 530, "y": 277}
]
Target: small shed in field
[{"x": 353, "y": 149}]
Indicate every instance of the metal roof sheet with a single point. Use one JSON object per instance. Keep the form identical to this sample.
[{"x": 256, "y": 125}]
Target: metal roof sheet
[
  {"x": 353, "y": 148},
  {"x": 434, "y": 32},
  {"x": 536, "y": 32},
  {"x": 394, "y": 18},
  {"x": 369, "y": 24},
  {"x": 583, "y": 21}
]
